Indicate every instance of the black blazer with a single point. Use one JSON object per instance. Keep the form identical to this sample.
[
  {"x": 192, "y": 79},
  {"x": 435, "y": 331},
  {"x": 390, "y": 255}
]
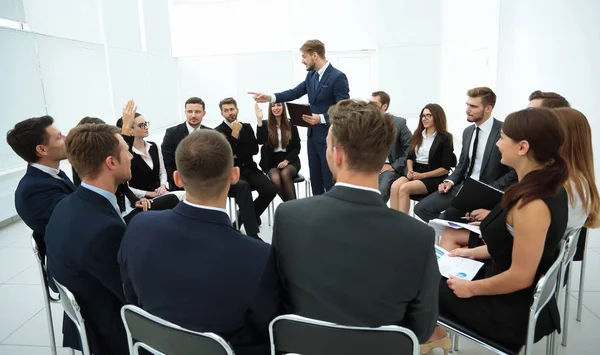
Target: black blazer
[
  {"x": 171, "y": 140},
  {"x": 245, "y": 147},
  {"x": 36, "y": 196},
  {"x": 441, "y": 154},
  {"x": 82, "y": 239},
  {"x": 493, "y": 172},
  {"x": 142, "y": 177},
  {"x": 188, "y": 266},
  {"x": 266, "y": 153},
  {"x": 354, "y": 273}
]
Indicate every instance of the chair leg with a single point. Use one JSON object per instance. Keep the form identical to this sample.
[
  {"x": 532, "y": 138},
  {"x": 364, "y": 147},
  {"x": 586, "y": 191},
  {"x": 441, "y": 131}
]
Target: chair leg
[
  {"x": 581, "y": 279},
  {"x": 455, "y": 342},
  {"x": 50, "y": 328},
  {"x": 72, "y": 352},
  {"x": 269, "y": 212},
  {"x": 566, "y": 310}
]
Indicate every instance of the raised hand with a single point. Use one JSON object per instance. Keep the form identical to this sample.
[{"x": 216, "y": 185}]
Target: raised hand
[
  {"x": 259, "y": 113},
  {"x": 260, "y": 97},
  {"x": 128, "y": 115}
]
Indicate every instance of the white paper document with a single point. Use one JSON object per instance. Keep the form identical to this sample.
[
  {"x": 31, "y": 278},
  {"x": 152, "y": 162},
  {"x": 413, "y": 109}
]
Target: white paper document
[
  {"x": 463, "y": 268},
  {"x": 440, "y": 224}
]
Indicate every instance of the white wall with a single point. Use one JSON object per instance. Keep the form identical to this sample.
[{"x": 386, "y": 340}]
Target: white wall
[{"x": 89, "y": 64}]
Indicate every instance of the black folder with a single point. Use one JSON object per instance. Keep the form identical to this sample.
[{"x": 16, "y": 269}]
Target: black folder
[
  {"x": 296, "y": 111},
  {"x": 475, "y": 194}
]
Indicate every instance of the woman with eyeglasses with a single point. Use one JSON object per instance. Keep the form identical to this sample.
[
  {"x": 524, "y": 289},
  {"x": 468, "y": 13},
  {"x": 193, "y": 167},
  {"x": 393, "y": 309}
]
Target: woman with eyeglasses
[
  {"x": 280, "y": 150},
  {"x": 148, "y": 173},
  {"x": 430, "y": 157}
]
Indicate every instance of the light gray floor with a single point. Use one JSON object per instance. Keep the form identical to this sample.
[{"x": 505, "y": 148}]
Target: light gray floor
[{"x": 23, "y": 329}]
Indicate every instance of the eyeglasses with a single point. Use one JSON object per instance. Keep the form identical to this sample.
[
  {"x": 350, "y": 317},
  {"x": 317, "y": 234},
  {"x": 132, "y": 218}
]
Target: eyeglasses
[
  {"x": 143, "y": 125},
  {"x": 427, "y": 116}
]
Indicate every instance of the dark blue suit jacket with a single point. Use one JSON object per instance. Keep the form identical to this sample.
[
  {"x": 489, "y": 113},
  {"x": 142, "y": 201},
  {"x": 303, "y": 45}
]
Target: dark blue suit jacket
[
  {"x": 83, "y": 239},
  {"x": 190, "y": 267},
  {"x": 36, "y": 196},
  {"x": 333, "y": 87}
]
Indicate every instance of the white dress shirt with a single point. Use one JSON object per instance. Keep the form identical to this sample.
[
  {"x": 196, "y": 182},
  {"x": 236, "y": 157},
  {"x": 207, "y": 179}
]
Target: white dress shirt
[
  {"x": 147, "y": 158},
  {"x": 320, "y": 73},
  {"x": 577, "y": 213},
  {"x": 48, "y": 170},
  {"x": 484, "y": 133},
  {"x": 422, "y": 153},
  {"x": 205, "y": 207},
  {"x": 357, "y": 187},
  {"x": 190, "y": 128}
]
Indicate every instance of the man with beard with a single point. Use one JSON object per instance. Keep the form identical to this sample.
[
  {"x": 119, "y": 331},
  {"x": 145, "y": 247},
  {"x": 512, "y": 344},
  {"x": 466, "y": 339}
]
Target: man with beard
[
  {"x": 244, "y": 145},
  {"x": 325, "y": 86},
  {"x": 479, "y": 158}
]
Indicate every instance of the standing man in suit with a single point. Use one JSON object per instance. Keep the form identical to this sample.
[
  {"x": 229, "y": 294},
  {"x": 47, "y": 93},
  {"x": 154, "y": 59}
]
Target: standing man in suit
[
  {"x": 194, "y": 113},
  {"x": 396, "y": 160},
  {"x": 85, "y": 231},
  {"x": 325, "y": 86},
  {"x": 41, "y": 144},
  {"x": 478, "y": 140},
  {"x": 244, "y": 145},
  {"x": 210, "y": 278},
  {"x": 374, "y": 265}
]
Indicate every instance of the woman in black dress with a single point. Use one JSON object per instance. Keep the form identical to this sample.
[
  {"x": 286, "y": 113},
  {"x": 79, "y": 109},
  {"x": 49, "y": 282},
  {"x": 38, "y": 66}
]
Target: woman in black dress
[
  {"x": 281, "y": 147},
  {"x": 428, "y": 161},
  {"x": 521, "y": 238}
]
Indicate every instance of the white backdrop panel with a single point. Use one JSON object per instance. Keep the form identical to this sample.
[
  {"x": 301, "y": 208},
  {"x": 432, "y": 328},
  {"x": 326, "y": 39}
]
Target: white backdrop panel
[
  {"x": 75, "y": 80},
  {"x": 12, "y": 10},
  {"x": 211, "y": 78},
  {"x": 410, "y": 75},
  {"x": 73, "y": 19},
  {"x": 407, "y": 22},
  {"x": 157, "y": 26},
  {"x": 164, "y": 92},
  {"x": 21, "y": 93},
  {"x": 121, "y": 24},
  {"x": 130, "y": 80}
]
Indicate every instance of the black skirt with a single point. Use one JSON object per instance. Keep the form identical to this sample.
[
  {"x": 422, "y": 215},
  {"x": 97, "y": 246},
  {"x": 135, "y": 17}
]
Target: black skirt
[
  {"x": 279, "y": 157},
  {"x": 431, "y": 184}
]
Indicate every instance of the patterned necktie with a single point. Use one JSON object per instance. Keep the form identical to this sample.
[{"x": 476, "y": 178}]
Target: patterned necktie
[
  {"x": 66, "y": 179},
  {"x": 473, "y": 152},
  {"x": 316, "y": 81}
]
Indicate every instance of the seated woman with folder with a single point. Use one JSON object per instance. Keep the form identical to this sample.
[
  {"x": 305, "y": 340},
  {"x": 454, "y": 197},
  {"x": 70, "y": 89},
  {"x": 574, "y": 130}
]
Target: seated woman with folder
[
  {"x": 496, "y": 304},
  {"x": 430, "y": 157},
  {"x": 280, "y": 151}
]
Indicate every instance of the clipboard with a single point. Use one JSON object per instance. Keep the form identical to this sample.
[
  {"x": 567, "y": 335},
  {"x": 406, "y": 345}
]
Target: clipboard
[
  {"x": 296, "y": 111},
  {"x": 475, "y": 194}
]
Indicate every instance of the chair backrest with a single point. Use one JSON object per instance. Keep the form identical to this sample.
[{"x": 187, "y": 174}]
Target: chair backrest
[
  {"x": 570, "y": 249},
  {"x": 161, "y": 337},
  {"x": 43, "y": 271},
  {"x": 544, "y": 291},
  {"x": 67, "y": 299},
  {"x": 295, "y": 334}
]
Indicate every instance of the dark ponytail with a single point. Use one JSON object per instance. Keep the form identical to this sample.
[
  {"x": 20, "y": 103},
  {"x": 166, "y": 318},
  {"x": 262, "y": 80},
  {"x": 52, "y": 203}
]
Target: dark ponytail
[{"x": 541, "y": 129}]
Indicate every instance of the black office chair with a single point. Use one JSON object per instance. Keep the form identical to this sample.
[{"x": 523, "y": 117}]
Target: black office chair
[{"x": 299, "y": 335}]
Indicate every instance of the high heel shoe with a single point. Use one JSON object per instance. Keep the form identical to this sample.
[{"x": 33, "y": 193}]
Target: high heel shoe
[{"x": 442, "y": 343}]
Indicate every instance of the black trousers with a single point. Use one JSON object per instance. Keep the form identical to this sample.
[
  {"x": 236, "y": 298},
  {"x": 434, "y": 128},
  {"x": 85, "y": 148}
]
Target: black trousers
[
  {"x": 431, "y": 206},
  {"x": 242, "y": 192},
  {"x": 164, "y": 202}
]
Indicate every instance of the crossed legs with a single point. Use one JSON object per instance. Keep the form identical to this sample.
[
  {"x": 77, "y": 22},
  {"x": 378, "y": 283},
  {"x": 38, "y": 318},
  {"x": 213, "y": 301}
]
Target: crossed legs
[
  {"x": 401, "y": 191},
  {"x": 284, "y": 182}
]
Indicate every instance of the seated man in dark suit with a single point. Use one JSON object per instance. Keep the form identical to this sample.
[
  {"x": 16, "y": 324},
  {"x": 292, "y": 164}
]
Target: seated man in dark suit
[
  {"x": 479, "y": 159},
  {"x": 344, "y": 256},
  {"x": 42, "y": 145},
  {"x": 243, "y": 142},
  {"x": 189, "y": 267},
  {"x": 85, "y": 231},
  {"x": 395, "y": 162},
  {"x": 194, "y": 112}
]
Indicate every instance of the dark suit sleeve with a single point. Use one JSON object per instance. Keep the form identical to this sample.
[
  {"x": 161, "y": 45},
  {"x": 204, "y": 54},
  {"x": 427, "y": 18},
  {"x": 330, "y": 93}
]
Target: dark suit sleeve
[
  {"x": 266, "y": 304},
  {"x": 278, "y": 222},
  {"x": 233, "y": 142},
  {"x": 447, "y": 153},
  {"x": 129, "y": 140},
  {"x": 292, "y": 94},
  {"x": 128, "y": 290},
  {"x": 458, "y": 175},
  {"x": 404, "y": 139},
  {"x": 248, "y": 148},
  {"x": 168, "y": 147},
  {"x": 294, "y": 146},
  {"x": 262, "y": 134},
  {"x": 422, "y": 312},
  {"x": 100, "y": 259},
  {"x": 341, "y": 91},
  {"x": 44, "y": 199},
  {"x": 505, "y": 180}
]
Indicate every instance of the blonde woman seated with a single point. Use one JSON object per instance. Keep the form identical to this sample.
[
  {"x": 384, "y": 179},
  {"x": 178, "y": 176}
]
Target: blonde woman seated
[
  {"x": 496, "y": 303},
  {"x": 428, "y": 161}
]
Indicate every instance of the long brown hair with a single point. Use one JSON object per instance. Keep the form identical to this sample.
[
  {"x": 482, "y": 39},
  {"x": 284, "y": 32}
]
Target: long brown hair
[
  {"x": 439, "y": 120},
  {"x": 284, "y": 125},
  {"x": 579, "y": 156},
  {"x": 541, "y": 129}
]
